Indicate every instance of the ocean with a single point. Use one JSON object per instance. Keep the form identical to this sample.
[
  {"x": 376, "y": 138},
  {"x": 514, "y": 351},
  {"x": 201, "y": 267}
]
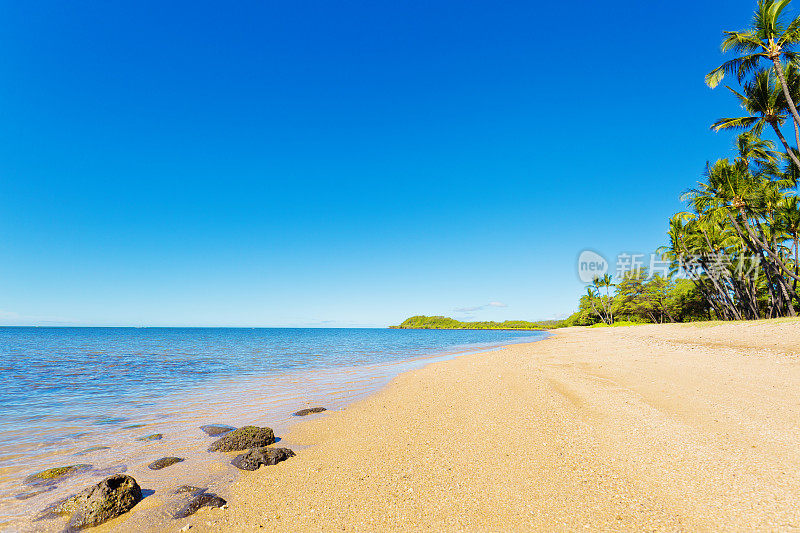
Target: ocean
[{"x": 87, "y": 395}]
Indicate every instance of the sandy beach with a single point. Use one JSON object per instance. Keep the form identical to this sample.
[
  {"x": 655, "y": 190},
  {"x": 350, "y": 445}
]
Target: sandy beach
[{"x": 672, "y": 427}]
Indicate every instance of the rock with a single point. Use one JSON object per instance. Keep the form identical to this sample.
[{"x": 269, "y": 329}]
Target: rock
[
  {"x": 64, "y": 507},
  {"x": 215, "y": 430},
  {"x": 261, "y": 456},
  {"x": 164, "y": 462},
  {"x": 199, "y": 501},
  {"x": 32, "y": 493},
  {"x": 309, "y": 411},
  {"x": 91, "y": 449},
  {"x": 243, "y": 438},
  {"x": 109, "y": 421},
  {"x": 108, "y": 499},
  {"x": 190, "y": 489},
  {"x": 134, "y": 426},
  {"x": 54, "y": 475},
  {"x": 154, "y": 436}
]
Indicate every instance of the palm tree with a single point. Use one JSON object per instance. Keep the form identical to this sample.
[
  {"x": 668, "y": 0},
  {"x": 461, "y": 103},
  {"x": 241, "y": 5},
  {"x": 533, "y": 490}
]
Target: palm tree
[
  {"x": 769, "y": 37},
  {"x": 600, "y": 282},
  {"x": 744, "y": 197},
  {"x": 789, "y": 222},
  {"x": 765, "y": 104}
]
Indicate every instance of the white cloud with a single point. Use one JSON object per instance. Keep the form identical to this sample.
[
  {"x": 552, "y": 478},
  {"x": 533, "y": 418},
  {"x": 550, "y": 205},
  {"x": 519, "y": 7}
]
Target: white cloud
[{"x": 479, "y": 307}]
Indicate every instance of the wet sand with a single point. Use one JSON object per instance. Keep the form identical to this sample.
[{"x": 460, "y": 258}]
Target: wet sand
[
  {"x": 675, "y": 427},
  {"x": 251, "y": 400}
]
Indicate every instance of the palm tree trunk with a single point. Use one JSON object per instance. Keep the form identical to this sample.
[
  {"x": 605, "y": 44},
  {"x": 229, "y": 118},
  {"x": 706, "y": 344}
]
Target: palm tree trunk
[
  {"x": 757, "y": 248},
  {"x": 701, "y": 286},
  {"x": 779, "y": 71},
  {"x": 789, "y": 150},
  {"x": 788, "y": 291},
  {"x": 796, "y": 266},
  {"x": 797, "y": 135},
  {"x": 766, "y": 248},
  {"x": 723, "y": 293}
]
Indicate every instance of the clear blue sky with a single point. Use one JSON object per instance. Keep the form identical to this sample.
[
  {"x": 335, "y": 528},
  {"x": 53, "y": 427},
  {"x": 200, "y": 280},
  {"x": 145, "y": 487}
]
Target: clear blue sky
[{"x": 321, "y": 163}]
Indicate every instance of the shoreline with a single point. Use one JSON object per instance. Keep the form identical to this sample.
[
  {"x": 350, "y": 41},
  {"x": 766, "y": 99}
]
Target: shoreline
[
  {"x": 248, "y": 400},
  {"x": 660, "y": 427}
]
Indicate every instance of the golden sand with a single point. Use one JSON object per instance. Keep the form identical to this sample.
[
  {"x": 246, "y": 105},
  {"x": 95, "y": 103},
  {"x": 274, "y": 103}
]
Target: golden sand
[{"x": 675, "y": 427}]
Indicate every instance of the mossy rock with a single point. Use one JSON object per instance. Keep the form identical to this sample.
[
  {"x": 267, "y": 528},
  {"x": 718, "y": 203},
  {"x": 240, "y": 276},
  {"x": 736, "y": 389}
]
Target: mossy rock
[
  {"x": 164, "y": 462},
  {"x": 91, "y": 449},
  {"x": 64, "y": 507},
  {"x": 134, "y": 426},
  {"x": 256, "y": 457},
  {"x": 95, "y": 505},
  {"x": 54, "y": 475},
  {"x": 148, "y": 438},
  {"x": 309, "y": 411},
  {"x": 108, "y": 499},
  {"x": 243, "y": 438}
]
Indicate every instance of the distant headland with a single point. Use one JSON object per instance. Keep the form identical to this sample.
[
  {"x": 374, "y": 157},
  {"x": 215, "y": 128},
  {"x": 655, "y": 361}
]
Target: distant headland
[{"x": 443, "y": 322}]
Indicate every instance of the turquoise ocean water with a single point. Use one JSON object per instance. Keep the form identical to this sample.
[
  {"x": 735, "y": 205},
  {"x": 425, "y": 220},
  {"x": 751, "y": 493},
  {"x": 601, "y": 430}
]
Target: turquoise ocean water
[{"x": 68, "y": 390}]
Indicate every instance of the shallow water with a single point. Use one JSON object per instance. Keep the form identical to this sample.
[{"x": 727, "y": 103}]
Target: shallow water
[{"x": 66, "y": 390}]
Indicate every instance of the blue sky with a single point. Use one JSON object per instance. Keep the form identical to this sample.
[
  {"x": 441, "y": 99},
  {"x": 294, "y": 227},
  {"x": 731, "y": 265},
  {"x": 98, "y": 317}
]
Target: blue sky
[{"x": 346, "y": 163}]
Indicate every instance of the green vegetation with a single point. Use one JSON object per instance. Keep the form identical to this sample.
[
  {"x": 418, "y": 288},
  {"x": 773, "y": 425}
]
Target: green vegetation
[
  {"x": 738, "y": 242},
  {"x": 617, "y": 324},
  {"x": 640, "y": 299},
  {"x": 441, "y": 322}
]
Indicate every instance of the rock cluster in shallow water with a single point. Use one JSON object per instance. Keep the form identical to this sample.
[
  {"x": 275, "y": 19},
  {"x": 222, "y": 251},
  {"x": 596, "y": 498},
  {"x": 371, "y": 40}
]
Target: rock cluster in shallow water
[{"x": 119, "y": 493}]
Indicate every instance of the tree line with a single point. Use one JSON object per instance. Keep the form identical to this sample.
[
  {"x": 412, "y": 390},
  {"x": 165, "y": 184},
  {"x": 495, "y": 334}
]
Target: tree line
[{"x": 736, "y": 245}]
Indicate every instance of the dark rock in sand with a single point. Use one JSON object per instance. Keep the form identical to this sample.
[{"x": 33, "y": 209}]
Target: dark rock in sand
[
  {"x": 93, "y": 449},
  {"x": 154, "y": 436},
  {"x": 134, "y": 426},
  {"x": 243, "y": 438},
  {"x": 183, "y": 489},
  {"x": 199, "y": 501},
  {"x": 164, "y": 462},
  {"x": 261, "y": 456},
  {"x": 95, "y": 505},
  {"x": 54, "y": 475},
  {"x": 108, "y": 499},
  {"x": 309, "y": 411},
  {"x": 215, "y": 430}
]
